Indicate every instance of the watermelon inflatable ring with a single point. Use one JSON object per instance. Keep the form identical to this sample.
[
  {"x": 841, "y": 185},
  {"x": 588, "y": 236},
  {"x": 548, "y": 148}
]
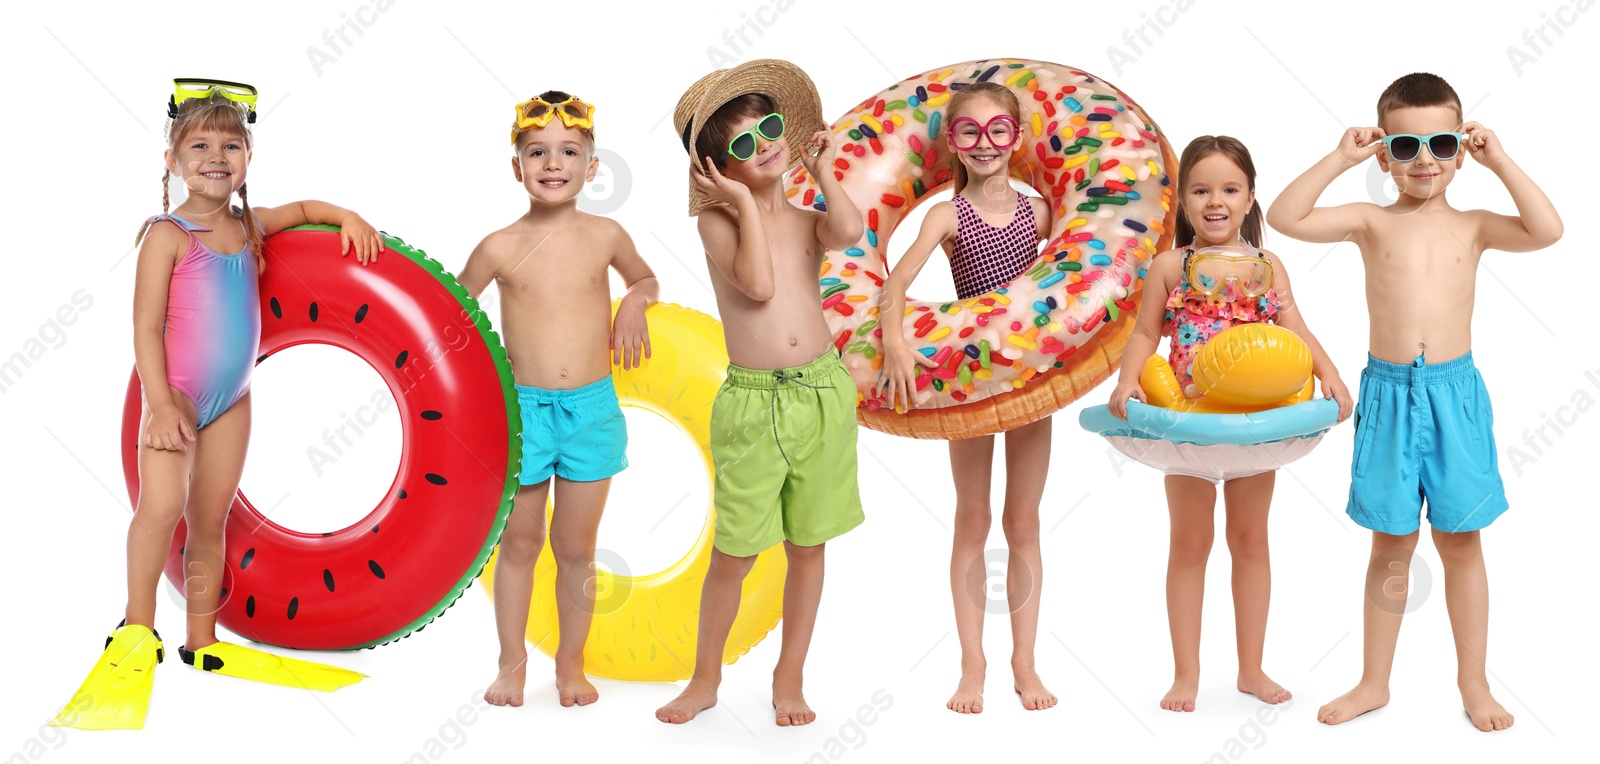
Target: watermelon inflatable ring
[{"x": 412, "y": 556}]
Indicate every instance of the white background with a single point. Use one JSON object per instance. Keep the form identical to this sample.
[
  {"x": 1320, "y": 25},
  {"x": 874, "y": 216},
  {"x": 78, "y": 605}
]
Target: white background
[{"x": 408, "y": 126}]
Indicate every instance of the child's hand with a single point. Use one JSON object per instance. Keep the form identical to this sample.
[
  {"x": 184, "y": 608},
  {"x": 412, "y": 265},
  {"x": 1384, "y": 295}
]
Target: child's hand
[
  {"x": 1358, "y": 144},
  {"x": 1119, "y": 397},
  {"x": 822, "y": 143},
  {"x": 629, "y": 335},
  {"x": 1334, "y": 388},
  {"x": 356, "y": 234},
  {"x": 167, "y": 429},
  {"x": 1483, "y": 145},
  {"x": 715, "y": 186},
  {"x": 900, "y": 375}
]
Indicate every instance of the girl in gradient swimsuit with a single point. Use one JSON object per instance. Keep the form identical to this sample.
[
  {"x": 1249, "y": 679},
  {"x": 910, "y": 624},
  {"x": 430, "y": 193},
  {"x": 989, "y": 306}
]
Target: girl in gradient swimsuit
[{"x": 196, "y": 333}]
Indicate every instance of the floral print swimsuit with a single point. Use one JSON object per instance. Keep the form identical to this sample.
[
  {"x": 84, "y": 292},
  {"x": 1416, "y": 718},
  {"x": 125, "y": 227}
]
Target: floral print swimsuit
[{"x": 1192, "y": 319}]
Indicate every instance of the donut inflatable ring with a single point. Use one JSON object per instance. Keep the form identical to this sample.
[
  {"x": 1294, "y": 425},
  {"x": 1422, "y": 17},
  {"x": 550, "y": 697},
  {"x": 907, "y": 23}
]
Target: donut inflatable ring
[
  {"x": 1031, "y": 347},
  {"x": 1255, "y": 428},
  {"x": 409, "y": 559},
  {"x": 645, "y": 627}
]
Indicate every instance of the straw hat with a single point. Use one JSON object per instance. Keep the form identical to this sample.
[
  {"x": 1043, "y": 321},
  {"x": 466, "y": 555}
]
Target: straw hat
[{"x": 790, "y": 89}]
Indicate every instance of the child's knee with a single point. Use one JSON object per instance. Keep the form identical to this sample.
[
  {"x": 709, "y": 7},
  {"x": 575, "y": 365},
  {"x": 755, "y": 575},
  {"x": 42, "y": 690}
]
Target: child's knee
[
  {"x": 1457, "y": 547},
  {"x": 724, "y": 565},
  {"x": 521, "y": 548},
  {"x": 158, "y": 517},
  {"x": 1384, "y": 542},
  {"x": 803, "y": 555},
  {"x": 1020, "y": 527},
  {"x": 1191, "y": 547},
  {"x": 1248, "y": 544},
  {"x": 570, "y": 556},
  {"x": 974, "y": 519}
]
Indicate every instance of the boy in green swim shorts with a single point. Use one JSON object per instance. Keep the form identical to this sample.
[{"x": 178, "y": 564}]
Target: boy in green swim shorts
[{"x": 783, "y": 426}]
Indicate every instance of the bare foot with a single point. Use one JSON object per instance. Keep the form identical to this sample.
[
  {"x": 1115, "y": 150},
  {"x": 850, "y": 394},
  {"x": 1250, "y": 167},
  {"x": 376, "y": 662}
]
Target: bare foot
[
  {"x": 969, "y": 693},
  {"x": 1260, "y": 685},
  {"x": 697, "y": 697},
  {"x": 1354, "y": 703},
  {"x": 1028, "y": 684},
  {"x": 506, "y": 689},
  {"x": 790, "y": 704},
  {"x": 1486, "y": 713},
  {"x": 1181, "y": 696},
  {"x": 573, "y": 687}
]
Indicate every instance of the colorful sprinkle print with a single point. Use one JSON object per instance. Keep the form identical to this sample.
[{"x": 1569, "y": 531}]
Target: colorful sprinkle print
[{"x": 1094, "y": 155}]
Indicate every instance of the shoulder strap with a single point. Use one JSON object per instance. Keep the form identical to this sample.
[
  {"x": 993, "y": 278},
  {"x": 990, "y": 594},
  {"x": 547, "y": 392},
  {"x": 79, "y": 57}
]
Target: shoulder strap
[
  {"x": 238, "y": 212},
  {"x": 188, "y": 227}
]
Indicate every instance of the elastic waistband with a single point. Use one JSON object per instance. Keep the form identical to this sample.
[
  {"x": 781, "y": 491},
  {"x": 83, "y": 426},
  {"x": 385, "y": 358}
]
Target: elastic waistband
[
  {"x": 767, "y": 379},
  {"x": 1419, "y": 371},
  {"x": 541, "y": 395}
]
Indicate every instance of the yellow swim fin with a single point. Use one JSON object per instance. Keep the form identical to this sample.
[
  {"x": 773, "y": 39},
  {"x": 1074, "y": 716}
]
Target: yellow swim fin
[
  {"x": 234, "y": 660},
  {"x": 116, "y": 694}
]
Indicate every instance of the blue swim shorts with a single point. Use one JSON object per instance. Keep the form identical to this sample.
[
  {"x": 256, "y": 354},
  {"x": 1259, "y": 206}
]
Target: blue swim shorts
[
  {"x": 1424, "y": 432},
  {"x": 577, "y": 434}
]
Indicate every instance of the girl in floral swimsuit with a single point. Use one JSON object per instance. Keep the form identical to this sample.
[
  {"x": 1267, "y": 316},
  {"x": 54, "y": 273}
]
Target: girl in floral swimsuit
[{"x": 1216, "y": 210}]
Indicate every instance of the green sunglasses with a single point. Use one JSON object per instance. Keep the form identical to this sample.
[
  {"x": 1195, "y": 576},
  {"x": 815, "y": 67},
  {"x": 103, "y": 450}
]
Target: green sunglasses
[{"x": 743, "y": 146}]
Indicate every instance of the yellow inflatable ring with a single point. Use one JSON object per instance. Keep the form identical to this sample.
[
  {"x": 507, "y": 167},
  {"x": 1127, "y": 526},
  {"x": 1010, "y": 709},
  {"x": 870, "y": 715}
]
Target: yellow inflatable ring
[
  {"x": 645, "y": 627},
  {"x": 1247, "y": 368}
]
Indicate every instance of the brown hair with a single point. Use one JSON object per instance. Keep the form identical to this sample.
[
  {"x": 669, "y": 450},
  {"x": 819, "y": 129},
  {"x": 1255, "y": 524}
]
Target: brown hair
[
  {"x": 1418, "y": 89},
  {"x": 718, "y": 129},
  {"x": 1199, "y": 149},
  {"x": 999, "y": 94},
  {"x": 553, "y": 96},
  {"x": 218, "y": 114}
]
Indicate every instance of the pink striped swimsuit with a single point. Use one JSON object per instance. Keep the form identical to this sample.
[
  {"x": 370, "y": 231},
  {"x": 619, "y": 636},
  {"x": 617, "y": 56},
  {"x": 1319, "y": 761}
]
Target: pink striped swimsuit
[
  {"x": 213, "y": 327},
  {"x": 985, "y": 258}
]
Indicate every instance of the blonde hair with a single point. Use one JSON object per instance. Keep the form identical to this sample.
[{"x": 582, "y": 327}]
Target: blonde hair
[
  {"x": 1000, "y": 95},
  {"x": 215, "y": 113}
]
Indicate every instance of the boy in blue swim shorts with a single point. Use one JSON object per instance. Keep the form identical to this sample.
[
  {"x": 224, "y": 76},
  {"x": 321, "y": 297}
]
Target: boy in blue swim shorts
[
  {"x": 551, "y": 266},
  {"x": 1424, "y": 426}
]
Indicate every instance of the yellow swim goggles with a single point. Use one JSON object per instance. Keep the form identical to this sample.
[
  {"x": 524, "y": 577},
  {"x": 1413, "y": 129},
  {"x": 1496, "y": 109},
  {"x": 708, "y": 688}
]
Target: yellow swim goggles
[
  {"x": 1211, "y": 268},
  {"x": 537, "y": 112},
  {"x": 185, "y": 89}
]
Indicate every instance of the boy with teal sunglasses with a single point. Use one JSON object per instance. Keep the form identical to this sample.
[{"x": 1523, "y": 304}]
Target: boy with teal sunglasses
[{"x": 1423, "y": 421}]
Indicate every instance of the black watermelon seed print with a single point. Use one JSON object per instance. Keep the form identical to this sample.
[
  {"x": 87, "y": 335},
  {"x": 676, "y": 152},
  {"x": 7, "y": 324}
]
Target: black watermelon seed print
[
  {"x": 400, "y": 360},
  {"x": 435, "y": 479},
  {"x": 250, "y": 606},
  {"x": 432, "y": 416},
  {"x": 261, "y": 358},
  {"x": 313, "y": 313},
  {"x": 327, "y": 579},
  {"x": 249, "y": 557},
  {"x": 294, "y": 607},
  {"x": 361, "y": 313},
  {"x": 277, "y": 310},
  {"x": 376, "y": 571},
  {"x": 223, "y": 594},
  {"x": 402, "y": 495},
  {"x": 181, "y": 549},
  {"x": 375, "y": 528}
]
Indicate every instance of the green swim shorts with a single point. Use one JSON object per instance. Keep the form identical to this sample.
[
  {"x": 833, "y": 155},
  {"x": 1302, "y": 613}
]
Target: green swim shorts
[{"x": 783, "y": 443}]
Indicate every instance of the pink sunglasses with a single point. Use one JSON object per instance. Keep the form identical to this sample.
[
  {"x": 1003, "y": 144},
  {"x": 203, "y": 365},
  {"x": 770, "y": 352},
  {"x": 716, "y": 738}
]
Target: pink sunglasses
[{"x": 1002, "y": 137}]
